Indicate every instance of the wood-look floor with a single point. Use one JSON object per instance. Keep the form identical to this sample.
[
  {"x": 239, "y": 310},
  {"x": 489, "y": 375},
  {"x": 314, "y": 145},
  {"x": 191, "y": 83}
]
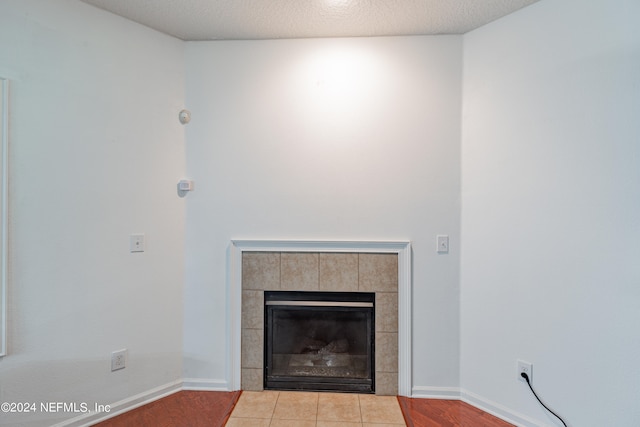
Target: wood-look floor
[
  {"x": 212, "y": 409},
  {"x": 445, "y": 413},
  {"x": 181, "y": 409}
]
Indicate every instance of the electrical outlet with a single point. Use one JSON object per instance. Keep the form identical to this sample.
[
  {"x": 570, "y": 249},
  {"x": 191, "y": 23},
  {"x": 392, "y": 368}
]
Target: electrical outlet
[
  {"x": 118, "y": 359},
  {"x": 525, "y": 368},
  {"x": 136, "y": 243}
]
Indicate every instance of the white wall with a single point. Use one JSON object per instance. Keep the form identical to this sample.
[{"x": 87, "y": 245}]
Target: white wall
[
  {"x": 329, "y": 139},
  {"x": 96, "y": 152},
  {"x": 550, "y": 211}
]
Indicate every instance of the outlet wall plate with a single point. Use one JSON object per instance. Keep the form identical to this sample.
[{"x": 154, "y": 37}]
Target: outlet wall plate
[
  {"x": 527, "y": 368},
  {"x": 136, "y": 243},
  {"x": 118, "y": 359}
]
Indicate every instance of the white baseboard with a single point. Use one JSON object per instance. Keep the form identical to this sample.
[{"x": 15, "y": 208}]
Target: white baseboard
[
  {"x": 495, "y": 409},
  {"x": 446, "y": 393},
  {"x": 205, "y": 385},
  {"x": 499, "y": 411},
  {"x": 124, "y": 405},
  {"x": 144, "y": 398},
  {"x": 418, "y": 392}
]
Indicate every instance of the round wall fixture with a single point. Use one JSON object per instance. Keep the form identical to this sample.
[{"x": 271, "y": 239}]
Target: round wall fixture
[{"x": 184, "y": 116}]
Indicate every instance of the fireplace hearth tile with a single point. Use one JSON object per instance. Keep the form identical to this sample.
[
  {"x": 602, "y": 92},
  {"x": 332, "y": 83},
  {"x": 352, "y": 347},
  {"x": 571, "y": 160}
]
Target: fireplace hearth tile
[
  {"x": 296, "y": 406},
  {"x": 311, "y": 409},
  {"x": 339, "y": 407},
  {"x": 292, "y": 423},
  {"x": 380, "y": 409},
  {"x": 338, "y": 399},
  {"x": 255, "y": 404},
  {"x": 302, "y": 397},
  {"x": 249, "y": 422},
  {"x": 339, "y": 424}
]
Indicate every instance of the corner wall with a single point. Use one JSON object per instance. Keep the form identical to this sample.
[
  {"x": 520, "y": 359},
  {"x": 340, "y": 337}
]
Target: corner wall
[
  {"x": 96, "y": 151},
  {"x": 550, "y": 208}
]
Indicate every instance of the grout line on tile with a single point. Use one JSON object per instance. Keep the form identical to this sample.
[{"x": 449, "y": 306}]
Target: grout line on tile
[{"x": 359, "y": 273}]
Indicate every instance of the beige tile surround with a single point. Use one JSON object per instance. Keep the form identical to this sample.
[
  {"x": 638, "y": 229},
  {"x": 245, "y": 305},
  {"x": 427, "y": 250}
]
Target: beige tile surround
[{"x": 320, "y": 271}]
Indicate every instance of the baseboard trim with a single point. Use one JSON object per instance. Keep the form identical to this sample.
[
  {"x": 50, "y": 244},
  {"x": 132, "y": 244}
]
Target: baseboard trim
[
  {"x": 499, "y": 411},
  {"x": 198, "y": 384},
  {"x": 123, "y": 406},
  {"x": 477, "y": 401},
  {"x": 445, "y": 393}
]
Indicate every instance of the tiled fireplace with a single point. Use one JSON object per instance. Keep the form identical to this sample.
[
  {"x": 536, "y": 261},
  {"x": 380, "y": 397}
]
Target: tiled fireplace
[
  {"x": 376, "y": 272},
  {"x": 337, "y": 266}
]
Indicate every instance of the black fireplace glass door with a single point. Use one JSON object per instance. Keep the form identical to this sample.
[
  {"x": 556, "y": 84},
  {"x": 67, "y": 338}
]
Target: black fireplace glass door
[{"x": 311, "y": 344}]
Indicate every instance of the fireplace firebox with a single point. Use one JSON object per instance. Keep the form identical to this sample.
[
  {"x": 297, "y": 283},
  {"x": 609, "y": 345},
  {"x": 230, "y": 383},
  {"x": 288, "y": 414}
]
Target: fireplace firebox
[{"x": 322, "y": 341}]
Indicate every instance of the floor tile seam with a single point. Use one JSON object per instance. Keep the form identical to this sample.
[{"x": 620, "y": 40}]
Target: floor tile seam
[
  {"x": 273, "y": 412},
  {"x": 273, "y": 418}
]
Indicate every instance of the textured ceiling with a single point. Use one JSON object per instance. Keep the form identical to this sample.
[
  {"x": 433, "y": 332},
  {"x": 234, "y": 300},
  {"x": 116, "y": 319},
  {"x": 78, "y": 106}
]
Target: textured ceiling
[{"x": 273, "y": 19}]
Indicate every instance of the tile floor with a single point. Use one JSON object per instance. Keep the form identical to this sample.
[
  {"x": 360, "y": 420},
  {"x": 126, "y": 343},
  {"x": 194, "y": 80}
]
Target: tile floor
[{"x": 308, "y": 409}]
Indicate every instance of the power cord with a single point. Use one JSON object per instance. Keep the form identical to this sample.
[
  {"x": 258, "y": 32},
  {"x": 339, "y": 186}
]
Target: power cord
[{"x": 526, "y": 378}]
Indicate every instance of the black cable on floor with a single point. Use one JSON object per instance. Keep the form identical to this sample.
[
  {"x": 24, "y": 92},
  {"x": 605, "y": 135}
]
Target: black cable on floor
[{"x": 526, "y": 378}]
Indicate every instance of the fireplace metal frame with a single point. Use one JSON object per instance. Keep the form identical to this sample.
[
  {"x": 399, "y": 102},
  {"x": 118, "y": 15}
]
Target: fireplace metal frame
[{"x": 323, "y": 302}]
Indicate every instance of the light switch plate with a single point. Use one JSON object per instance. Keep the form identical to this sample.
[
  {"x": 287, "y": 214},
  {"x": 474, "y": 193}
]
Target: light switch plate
[{"x": 443, "y": 243}]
